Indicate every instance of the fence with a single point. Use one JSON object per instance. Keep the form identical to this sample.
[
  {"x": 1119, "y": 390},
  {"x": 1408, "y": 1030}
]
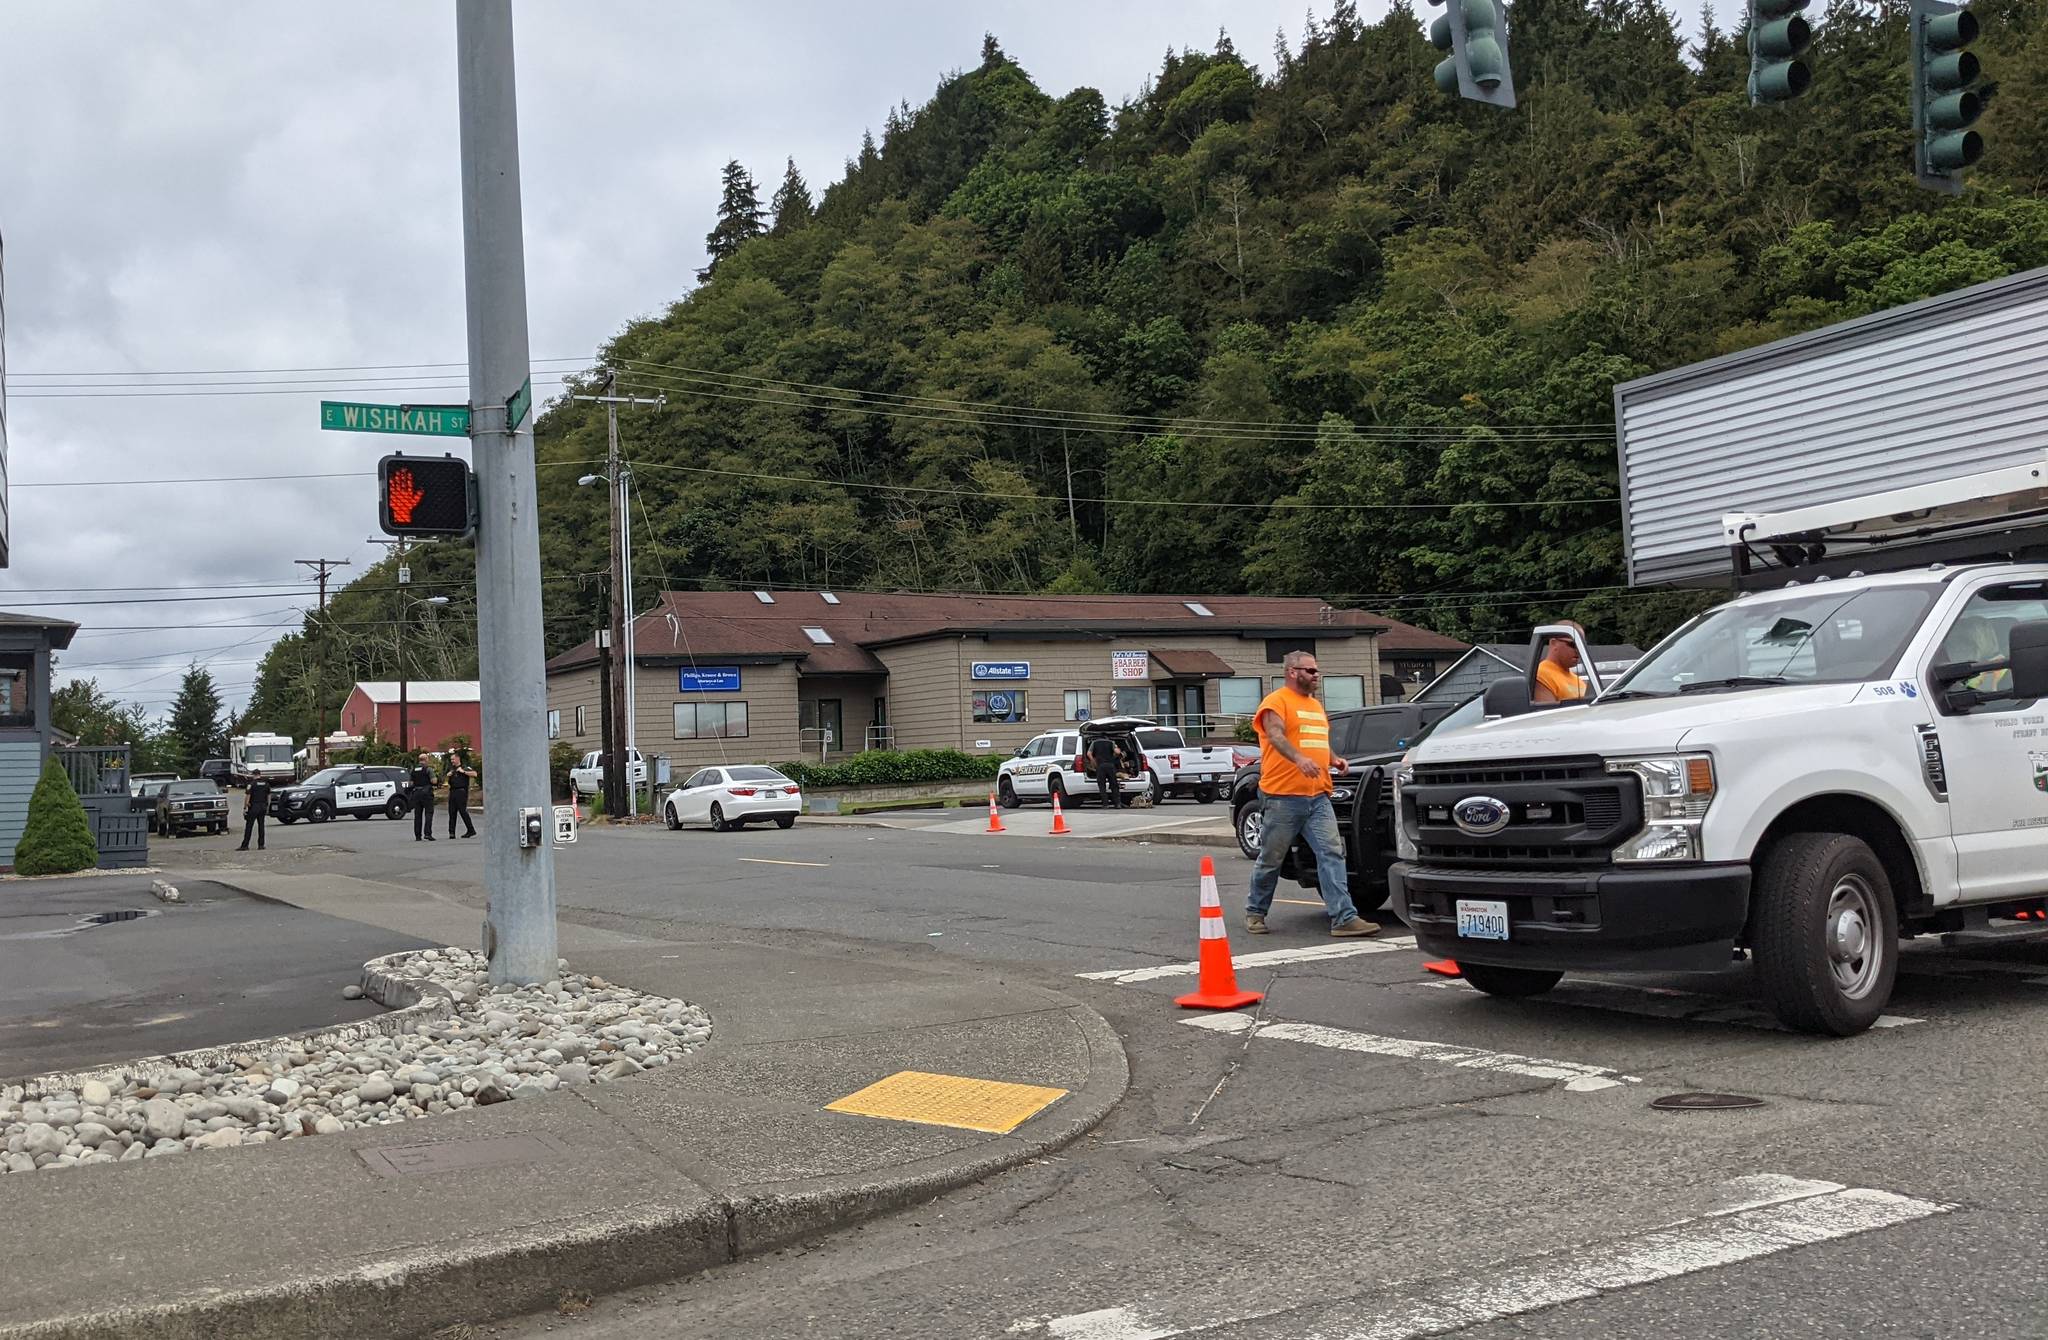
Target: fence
[
  {"x": 99, "y": 774},
  {"x": 96, "y": 770}
]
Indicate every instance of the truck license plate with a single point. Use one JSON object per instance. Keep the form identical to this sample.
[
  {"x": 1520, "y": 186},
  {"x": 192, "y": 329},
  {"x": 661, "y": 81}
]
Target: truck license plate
[{"x": 1478, "y": 920}]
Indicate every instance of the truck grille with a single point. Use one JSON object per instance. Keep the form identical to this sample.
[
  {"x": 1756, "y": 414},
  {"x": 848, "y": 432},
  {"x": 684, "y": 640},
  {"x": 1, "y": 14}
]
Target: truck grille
[{"x": 1561, "y": 812}]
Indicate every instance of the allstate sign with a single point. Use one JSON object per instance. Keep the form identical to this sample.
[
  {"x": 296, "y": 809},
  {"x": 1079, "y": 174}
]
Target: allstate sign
[{"x": 1000, "y": 670}]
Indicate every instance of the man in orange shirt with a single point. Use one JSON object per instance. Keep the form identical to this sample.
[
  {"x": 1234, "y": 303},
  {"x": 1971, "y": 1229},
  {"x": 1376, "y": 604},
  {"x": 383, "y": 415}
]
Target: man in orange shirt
[
  {"x": 1294, "y": 796},
  {"x": 1555, "y": 682}
]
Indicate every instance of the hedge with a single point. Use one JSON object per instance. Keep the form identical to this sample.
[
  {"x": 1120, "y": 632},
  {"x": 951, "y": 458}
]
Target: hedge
[
  {"x": 58, "y": 837},
  {"x": 882, "y": 767}
]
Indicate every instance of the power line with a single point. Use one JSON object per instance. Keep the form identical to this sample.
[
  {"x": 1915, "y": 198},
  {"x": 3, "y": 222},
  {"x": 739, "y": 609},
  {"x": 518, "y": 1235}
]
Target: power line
[
  {"x": 232, "y": 372},
  {"x": 221, "y": 479},
  {"x": 186, "y": 393}
]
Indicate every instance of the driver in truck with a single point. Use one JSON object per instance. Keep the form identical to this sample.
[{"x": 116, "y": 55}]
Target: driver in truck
[{"x": 1555, "y": 682}]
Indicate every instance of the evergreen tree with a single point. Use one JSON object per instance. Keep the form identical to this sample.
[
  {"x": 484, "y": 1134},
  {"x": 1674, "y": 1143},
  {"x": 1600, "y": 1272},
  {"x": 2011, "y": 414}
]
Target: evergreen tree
[
  {"x": 195, "y": 727},
  {"x": 57, "y": 839},
  {"x": 739, "y": 218},
  {"x": 792, "y": 203}
]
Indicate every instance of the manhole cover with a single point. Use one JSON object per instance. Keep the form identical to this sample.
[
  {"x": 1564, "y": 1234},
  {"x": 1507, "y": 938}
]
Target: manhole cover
[{"x": 1704, "y": 1102}]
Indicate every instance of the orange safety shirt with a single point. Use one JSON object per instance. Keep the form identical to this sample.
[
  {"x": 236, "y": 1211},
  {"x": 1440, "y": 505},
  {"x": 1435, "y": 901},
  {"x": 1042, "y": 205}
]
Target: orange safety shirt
[
  {"x": 1308, "y": 729},
  {"x": 1565, "y": 686}
]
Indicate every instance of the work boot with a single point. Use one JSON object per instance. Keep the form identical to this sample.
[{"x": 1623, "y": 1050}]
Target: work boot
[
  {"x": 1254, "y": 924},
  {"x": 1355, "y": 928}
]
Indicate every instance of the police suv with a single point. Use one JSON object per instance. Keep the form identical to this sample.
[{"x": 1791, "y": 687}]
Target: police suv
[{"x": 360, "y": 791}]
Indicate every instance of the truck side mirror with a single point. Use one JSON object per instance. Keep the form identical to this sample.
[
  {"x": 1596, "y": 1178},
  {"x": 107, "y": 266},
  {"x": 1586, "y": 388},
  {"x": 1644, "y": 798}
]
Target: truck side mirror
[
  {"x": 1508, "y": 697},
  {"x": 2030, "y": 660}
]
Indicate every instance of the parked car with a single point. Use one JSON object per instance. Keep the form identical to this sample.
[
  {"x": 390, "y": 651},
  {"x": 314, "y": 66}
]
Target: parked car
[
  {"x": 733, "y": 797},
  {"x": 1361, "y": 734},
  {"x": 147, "y": 782},
  {"x": 216, "y": 770},
  {"x": 1173, "y": 767},
  {"x": 588, "y": 776},
  {"x": 1051, "y": 763},
  {"x": 189, "y": 805},
  {"x": 348, "y": 789}
]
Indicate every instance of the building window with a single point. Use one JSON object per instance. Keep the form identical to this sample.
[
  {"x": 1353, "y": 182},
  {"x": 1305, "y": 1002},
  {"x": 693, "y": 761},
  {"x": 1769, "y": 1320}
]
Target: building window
[
  {"x": 1000, "y": 707},
  {"x": 554, "y": 724},
  {"x": 17, "y": 689},
  {"x": 711, "y": 721},
  {"x": 1130, "y": 702},
  {"x": 582, "y": 720},
  {"x": 1238, "y": 697},
  {"x": 1343, "y": 692},
  {"x": 1077, "y": 704}
]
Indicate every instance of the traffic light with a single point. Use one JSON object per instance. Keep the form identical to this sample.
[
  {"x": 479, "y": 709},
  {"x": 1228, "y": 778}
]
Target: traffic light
[
  {"x": 1778, "y": 36},
  {"x": 426, "y": 496},
  {"x": 1943, "y": 105},
  {"x": 1475, "y": 36}
]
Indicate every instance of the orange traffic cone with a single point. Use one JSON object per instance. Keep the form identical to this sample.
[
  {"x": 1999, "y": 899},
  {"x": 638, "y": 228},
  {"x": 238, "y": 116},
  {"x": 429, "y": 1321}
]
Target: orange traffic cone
[
  {"x": 1059, "y": 817},
  {"x": 995, "y": 821},
  {"x": 1216, "y": 982},
  {"x": 1444, "y": 966}
]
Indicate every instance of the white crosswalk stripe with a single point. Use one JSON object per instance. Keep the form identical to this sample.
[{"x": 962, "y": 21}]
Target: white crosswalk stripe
[{"x": 1266, "y": 959}]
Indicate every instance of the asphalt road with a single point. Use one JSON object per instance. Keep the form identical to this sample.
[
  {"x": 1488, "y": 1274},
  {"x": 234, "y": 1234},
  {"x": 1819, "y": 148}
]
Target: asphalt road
[
  {"x": 1375, "y": 1151},
  {"x": 94, "y": 971}
]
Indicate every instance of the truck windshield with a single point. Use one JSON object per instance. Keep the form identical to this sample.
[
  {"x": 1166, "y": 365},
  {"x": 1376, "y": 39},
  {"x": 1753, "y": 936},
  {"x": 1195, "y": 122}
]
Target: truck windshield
[
  {"x": 1813, "y": 637},
  {"x": 1158, "y": 738}
]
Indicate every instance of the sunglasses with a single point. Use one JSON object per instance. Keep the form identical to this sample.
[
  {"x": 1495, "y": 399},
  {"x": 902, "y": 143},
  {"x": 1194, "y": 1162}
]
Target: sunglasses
[{"x": 1304, "y": 670}]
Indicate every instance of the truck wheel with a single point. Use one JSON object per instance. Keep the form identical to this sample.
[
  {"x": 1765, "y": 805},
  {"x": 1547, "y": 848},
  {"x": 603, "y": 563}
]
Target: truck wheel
[
  {"x": 1055, "y": 787},
  {"x": 1826, "y": 933},
  {"x": 1157, "y": 791},
  {"x": 320, "y": 811},
  {"x": 1510, "y": 983},
  {"x": 395, "y": 808},
  {"x": 1006, "y": 794},
  {"x": 1250, "y": 824}
]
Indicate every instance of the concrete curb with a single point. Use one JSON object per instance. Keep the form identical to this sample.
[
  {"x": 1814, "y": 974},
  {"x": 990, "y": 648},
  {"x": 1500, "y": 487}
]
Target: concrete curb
[
  {"x": 411, "y": 1003},
  {"x": 528, "y": 1267},
  {"x": 1170, "y": 837}
]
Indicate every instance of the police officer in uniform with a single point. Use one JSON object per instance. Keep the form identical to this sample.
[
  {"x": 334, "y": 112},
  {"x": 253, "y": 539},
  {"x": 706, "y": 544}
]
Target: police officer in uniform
[
  {"x": 254, "y": 807},
  {"x": 421, "y": 794},
  {"x": 461, "y": 772}
]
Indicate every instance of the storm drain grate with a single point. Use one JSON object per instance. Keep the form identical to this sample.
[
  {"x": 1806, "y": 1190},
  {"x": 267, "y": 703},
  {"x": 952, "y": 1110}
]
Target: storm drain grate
[
  {"x": 109, "y": 918},
  {"x": 1705, "y": 1102}
]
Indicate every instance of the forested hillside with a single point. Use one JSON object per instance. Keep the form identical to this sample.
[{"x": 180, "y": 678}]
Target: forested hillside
[{"x": 1280, "y": 323}]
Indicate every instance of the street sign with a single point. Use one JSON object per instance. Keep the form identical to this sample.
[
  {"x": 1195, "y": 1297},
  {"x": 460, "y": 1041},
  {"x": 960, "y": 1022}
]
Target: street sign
[
  {"x": 516, "y": 407},
  {"x": 428, "y": 420}
]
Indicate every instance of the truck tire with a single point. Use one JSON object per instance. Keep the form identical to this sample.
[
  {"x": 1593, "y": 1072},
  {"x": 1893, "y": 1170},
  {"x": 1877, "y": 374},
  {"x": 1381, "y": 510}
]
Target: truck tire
[
  {"x": 1509, "y": 983},
  {"x": 396, "y": 808},
  {"x": 1157, "y": 792},
  {"x": 1006, "y": 794},
  {"x": 320, "y": 811},
  {"x": 1250, "y": 823},
  {"x": 1055, "y": 787},
  {"x": 1825, "y": 934}
]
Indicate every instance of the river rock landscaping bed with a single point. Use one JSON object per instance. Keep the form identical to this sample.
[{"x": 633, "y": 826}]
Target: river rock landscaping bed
[{"x": 501, "y": 1044}]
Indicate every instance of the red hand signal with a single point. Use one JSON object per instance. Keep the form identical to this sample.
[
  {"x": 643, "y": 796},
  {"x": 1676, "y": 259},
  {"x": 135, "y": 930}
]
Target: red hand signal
[{"x": 403, "y": 496}]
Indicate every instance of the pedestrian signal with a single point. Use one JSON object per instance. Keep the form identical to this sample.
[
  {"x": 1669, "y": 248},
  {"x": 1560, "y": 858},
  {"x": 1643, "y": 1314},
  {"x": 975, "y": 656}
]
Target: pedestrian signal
[{"x": 426, "y": 496}]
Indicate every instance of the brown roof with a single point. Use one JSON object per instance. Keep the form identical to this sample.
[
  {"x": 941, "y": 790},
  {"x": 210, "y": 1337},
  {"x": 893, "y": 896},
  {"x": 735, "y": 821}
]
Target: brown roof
[
  {"x": 1191, "y": 663},
  {"x": 712, "y": 627},
  {"x": 1407, "y": 637}
]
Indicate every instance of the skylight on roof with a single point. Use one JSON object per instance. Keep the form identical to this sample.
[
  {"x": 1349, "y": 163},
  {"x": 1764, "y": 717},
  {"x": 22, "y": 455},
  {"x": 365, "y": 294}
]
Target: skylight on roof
[
  {"x": 1197, "y": 607},
  {"x": 819, "y": 636},
  {"x": 764, "y": 597},
  {"x": 829, "y": 598}
]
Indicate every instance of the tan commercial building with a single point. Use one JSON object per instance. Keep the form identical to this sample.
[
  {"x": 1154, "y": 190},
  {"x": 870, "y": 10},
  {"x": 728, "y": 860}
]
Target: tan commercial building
[{"x": 768, "y": 676}]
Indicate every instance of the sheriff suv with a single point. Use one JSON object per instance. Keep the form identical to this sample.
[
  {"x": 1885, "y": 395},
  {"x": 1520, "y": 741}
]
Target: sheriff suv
[{"x": 361, "y": 791}]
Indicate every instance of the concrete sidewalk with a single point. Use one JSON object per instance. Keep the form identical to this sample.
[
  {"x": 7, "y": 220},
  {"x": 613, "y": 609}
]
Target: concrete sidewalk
[
  {"x": 1178, "y": 823},
  {"x": 475, "y": 1215}
]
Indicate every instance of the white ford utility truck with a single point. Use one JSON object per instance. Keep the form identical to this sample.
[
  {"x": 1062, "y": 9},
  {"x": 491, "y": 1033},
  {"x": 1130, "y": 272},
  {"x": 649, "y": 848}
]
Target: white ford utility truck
[{"x": 1852, "y": 753}]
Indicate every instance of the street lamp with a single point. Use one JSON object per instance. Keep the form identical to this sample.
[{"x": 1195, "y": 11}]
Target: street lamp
[{"x": 404, "y": 724}]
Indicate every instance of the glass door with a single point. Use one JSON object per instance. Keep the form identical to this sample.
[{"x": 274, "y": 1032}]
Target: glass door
[
  {"x": 1162, "y": 704},
  {"x": 1193, "y": 720}
]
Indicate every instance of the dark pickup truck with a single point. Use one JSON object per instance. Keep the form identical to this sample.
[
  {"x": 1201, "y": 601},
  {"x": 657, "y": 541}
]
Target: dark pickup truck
[{"x": 1371, "y": 740}]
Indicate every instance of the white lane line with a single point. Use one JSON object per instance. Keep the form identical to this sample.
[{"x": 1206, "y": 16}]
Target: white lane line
[
  {"x": 1759, "y": 1216},
  {"x": 763, "y": 860},
  {"x": 1266, "y": 958},
  {"x": 1583, "y": 1077},
  {"x": 1662, "y": 1002},
  {"x": 1687, "y": 1248}
]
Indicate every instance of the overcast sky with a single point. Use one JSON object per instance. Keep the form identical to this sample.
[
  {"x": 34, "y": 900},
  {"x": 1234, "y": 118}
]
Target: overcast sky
[{"x": 209, "y": 188}]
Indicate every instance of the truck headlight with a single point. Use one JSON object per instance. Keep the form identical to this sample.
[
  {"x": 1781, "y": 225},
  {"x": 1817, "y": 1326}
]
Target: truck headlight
[
  {"x": 1404, "y": 844},
  {"x": 1677, "y": 791}
]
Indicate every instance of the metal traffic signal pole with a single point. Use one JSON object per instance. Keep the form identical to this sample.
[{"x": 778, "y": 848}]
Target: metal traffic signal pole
[{"x": 519, "y": 860}]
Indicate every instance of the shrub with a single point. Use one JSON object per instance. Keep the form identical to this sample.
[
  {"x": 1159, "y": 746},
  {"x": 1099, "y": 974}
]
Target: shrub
[
  {"x": 883, "y": 767},
  {"x": 1245, "y": 733},
  {"x": 58, "y": 837},
  {"x": 562, "y": 756}
]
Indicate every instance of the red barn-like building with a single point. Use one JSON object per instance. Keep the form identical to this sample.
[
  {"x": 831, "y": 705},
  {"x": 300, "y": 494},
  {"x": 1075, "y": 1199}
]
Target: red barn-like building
[{"x": 438, "y": 709}]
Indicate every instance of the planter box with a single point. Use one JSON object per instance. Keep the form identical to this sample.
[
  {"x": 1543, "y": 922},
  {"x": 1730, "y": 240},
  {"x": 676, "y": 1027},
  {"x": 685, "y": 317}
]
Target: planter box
[{"x": 839, "y": 799}]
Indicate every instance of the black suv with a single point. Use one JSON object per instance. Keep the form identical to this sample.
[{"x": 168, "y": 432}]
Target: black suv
[
  {"x": 349, "y": 789},
  {"x": 216, "y": 770},
  {"x": 1372, "y": 740}
]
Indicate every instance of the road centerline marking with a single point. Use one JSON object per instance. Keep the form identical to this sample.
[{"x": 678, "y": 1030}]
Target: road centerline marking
[
  {"x": 1265, "y": 958},
  {"x": 763, "y": 860},
  {"x": 1582, "y": 1077}
]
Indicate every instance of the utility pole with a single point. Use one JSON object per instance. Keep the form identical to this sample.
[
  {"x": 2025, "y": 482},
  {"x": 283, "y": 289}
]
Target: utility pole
[
  {"x": 617, "y": 775},
  {"x": 400, "y": 546},
  {"x": 320, "y": 568},
  {"x": 519, "y": 859}
]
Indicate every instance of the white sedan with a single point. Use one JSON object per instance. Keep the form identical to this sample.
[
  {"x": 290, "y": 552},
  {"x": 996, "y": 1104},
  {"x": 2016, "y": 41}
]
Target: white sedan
[{"x": 729, "y": 798}]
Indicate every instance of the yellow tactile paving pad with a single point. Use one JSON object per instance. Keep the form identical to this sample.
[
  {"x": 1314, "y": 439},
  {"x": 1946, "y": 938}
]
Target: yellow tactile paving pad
[{"x": 949, "y": 1100}]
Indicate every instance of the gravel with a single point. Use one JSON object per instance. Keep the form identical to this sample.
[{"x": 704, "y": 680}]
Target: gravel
[{"x": 503, "y": 1044}]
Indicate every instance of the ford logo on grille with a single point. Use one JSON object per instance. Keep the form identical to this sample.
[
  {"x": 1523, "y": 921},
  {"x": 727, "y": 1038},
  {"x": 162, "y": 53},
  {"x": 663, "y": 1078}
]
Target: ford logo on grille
[{"x": 1480, "y": 815}]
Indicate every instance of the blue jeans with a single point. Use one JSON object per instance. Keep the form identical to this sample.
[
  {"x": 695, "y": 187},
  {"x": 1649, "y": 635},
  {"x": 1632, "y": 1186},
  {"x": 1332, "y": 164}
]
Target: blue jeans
[{"x": 1312, "y": 817}]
